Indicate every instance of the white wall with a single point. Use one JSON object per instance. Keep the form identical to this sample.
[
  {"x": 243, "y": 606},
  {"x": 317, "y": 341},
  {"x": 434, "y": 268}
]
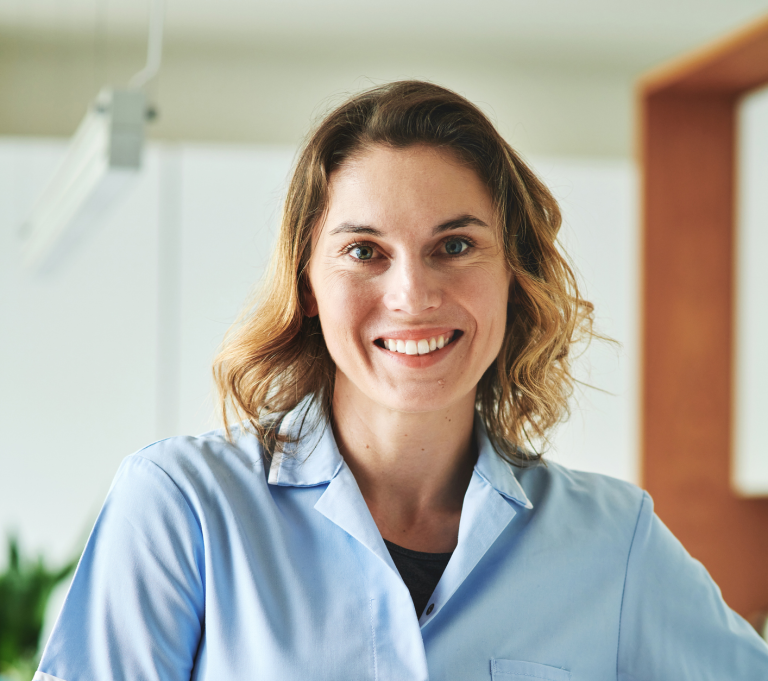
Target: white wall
[
  {"x": 115, "y": 351},
  {"x": 599, "y": 201},
  {"x": 231, "y": 205},
  {"x": 77, "y": 379},
  {"x": 750, "y": 405}
]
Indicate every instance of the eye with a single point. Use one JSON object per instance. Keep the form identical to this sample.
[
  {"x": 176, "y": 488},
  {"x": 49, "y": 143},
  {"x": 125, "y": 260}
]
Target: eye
[
  {"x": 456, "y": 246},
  {"x": 361, "y": 252}
]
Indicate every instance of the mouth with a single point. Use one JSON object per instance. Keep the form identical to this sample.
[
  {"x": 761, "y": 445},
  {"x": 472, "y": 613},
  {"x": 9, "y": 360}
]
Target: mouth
[{"x": 422, "y": 346}]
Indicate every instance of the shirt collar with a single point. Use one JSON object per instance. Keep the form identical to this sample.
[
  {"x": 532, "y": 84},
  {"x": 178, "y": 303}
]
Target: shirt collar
[
  {"x": 495, "y": 470},
  {"x": 314, "y": 459}
]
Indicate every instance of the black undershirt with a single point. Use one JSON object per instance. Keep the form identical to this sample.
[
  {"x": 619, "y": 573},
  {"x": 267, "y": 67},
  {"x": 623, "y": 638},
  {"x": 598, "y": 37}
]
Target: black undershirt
[{"x": 420, "y": 571}]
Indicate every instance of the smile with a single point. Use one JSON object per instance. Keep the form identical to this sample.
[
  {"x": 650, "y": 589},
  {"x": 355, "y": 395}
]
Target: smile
[{"x": 416, "y": 347}]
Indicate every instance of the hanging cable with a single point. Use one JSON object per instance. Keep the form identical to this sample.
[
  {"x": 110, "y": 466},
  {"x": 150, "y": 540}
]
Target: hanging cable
[{"x": 154, "y": 46}]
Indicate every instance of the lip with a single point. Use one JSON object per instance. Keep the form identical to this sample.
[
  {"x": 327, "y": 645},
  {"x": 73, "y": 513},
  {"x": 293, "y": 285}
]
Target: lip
[
  {"x": 416, "y": 334},
  {"x": 421, "y": 361}
]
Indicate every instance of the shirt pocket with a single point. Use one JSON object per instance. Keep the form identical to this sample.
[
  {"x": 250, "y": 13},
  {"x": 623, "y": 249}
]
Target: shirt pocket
[{"x": 515, "y": 670}]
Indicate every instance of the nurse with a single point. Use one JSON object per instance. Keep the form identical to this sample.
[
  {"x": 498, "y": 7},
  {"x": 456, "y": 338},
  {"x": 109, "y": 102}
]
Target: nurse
[{"x": 379, "y": 511}]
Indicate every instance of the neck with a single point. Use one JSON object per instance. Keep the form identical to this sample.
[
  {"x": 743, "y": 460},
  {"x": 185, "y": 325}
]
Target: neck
[{"x": 413, "y": 469}]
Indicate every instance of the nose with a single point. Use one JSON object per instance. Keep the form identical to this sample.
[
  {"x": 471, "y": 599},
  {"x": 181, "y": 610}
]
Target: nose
[{"x": 412, "y": 287}]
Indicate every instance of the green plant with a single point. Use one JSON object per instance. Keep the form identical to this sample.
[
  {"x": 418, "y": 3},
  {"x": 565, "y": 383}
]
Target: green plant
[{"x": 24, "y": 590}]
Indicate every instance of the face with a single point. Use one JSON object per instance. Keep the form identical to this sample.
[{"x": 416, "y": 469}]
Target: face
[{"x": 409, "y": 279}]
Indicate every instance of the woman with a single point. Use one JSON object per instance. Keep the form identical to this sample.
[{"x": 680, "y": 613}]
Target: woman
[{"x": 380, "y": 513}]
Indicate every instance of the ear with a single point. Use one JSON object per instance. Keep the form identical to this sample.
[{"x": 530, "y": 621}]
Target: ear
[
  {"x": 308, "y": 300},
  {"x": 513, "y": 291}
]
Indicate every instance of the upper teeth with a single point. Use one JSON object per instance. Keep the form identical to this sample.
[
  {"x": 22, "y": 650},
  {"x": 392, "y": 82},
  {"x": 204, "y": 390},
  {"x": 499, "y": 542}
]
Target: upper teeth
[{"x": 418, "y": 347}]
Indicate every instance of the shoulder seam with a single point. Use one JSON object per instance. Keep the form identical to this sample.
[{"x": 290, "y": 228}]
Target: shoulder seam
[
  {"x": 189, "y": 507},
  {"x": 167, "y": 475},
  {"x": 643, "y": 500}
]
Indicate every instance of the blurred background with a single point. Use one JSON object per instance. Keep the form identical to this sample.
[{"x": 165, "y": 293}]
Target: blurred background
[{"x": 112, "y": 350}]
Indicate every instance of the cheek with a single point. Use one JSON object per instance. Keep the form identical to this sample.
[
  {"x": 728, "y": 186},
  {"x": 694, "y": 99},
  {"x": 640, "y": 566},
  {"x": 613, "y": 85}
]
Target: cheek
[
  {"x": 496, "y": 320},
  {"x": 343, "y": 306},
  {"x": 486, "y": 295}
]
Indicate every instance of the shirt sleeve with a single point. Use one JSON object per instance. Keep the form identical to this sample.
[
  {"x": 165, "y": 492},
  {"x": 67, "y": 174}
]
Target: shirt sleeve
[
  {"x": 136, "y": 605},
  {"x": 675, "y": 625}
]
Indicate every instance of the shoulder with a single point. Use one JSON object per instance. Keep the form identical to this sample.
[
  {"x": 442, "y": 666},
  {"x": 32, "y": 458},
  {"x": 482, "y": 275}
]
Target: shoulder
[
  {"x": 605, "y": 506},
  {"x": 209, "y": 450},
  {"x": 197, "y": 467}
]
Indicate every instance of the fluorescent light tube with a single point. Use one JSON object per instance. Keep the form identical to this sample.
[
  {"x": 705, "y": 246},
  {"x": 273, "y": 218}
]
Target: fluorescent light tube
[{"x": 104, "y": 155}]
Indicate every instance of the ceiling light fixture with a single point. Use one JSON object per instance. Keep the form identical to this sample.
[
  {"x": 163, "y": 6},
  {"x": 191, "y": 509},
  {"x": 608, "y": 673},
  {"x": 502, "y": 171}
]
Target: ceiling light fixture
[{"x": 104, "y": 155}]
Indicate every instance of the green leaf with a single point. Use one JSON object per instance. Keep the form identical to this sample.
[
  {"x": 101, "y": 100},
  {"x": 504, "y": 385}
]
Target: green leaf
[{"x": 25, "y": 587}]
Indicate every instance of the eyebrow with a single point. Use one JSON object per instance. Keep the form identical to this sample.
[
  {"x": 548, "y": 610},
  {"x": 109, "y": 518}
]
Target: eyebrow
[
  {"x": 447, "y": 226},
  {"x": 458, "y": 223}
]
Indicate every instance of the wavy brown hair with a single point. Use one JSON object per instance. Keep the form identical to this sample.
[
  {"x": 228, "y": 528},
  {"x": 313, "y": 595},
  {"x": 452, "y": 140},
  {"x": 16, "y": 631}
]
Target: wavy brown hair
[{"x": 275, "y": 358}]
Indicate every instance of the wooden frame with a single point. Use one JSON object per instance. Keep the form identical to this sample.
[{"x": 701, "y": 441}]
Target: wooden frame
[{"x": 687, "y": 149}]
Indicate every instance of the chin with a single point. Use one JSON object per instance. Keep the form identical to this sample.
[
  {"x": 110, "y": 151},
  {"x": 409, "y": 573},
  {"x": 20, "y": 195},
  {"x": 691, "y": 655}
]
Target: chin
[{"x": 421, "y": 401}]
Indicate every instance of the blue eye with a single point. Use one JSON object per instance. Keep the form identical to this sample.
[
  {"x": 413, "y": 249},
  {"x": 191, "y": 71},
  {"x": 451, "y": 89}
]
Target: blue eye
[
  {"x": 456, "y": 246},
  {"x": 362, "y": 252}
]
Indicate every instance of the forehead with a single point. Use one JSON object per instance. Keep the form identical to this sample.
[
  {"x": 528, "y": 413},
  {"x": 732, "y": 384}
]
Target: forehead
[{"x": 418, "y": 185}]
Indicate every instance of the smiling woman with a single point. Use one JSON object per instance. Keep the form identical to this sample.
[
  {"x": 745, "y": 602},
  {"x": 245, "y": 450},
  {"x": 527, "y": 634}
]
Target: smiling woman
[
  {"x": 404, "y": 156},
  {"x": 379, "y": 512}
]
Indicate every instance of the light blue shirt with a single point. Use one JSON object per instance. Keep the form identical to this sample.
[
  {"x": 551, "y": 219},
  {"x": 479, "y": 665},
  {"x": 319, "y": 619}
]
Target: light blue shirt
[{"x": 207, "y": 564}]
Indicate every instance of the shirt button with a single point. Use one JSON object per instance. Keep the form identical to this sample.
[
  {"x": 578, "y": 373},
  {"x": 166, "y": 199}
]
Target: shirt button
[{"x": 430, "y": 608}]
